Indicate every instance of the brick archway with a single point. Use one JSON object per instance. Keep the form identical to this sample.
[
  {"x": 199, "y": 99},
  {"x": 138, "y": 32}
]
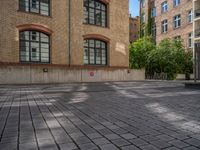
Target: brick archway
[
  {"x": 105, "y": 1},
  {"x": 96, "y": 36},
  {"x": 37, "y": 27}
]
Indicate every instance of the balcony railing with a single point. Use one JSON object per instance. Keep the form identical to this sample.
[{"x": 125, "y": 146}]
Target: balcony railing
[
  {"x": 197, "y": 33},
  {"x": 197, "y": 13}
]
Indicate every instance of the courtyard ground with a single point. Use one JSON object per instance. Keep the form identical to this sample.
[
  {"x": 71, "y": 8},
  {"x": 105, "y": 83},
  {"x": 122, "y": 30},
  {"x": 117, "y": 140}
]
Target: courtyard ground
[{"x": 106, "y": 116}]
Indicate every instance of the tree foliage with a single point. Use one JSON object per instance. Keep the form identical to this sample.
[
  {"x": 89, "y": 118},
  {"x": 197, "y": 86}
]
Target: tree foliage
[{"x": 169, "y": 56}]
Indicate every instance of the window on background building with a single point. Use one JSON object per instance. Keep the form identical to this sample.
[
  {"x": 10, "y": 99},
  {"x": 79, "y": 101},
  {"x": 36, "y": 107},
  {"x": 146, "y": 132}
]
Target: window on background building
[
  {"x": 153, "y": 12},
  {"x": 95, "y": 13},
  {"x": 177, "y": 21},
  {"x": 190, "y": 16},
  {"x": 176, "y": 38},
  {"x": 143, "y": 18},
  {"x": 154, "y": 30},
  {"x": 36, "y": 6},
  {"x": 34, "y": 47},
  {"x": 95, "y": 52},
  {"x": 164, "y": 26},
  {"x": 143, "y": 3},
  {"x": 164, "y": 7},
  {"x": 190, "y": 40},
  {"x": 176, "y": 2}
]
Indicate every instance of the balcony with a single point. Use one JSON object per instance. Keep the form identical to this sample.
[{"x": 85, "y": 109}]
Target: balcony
[{"x": 197, "y": 13}]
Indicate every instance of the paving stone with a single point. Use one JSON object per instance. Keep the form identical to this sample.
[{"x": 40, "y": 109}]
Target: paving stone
[
  {"x": 193, "y": 142},
  {"x": 191, "y": 148},
  {"x": 179, "y": 144},
  {"x": 128, "y": 136},
  {"x": 94, "y": 135},
  {"x": 148, "y": 147},
  {"x": 138, "y": 142},
  {"x": 28, "y": 146},
  {"x": 130, "y": 147},
  {"x": 101, "y": 141},
  {"x": 120, "y": 142},
  {"x": 172, "y": 148},
  {"x": 112, "y": 136},
  {"x": 88, "y": 146},
  {"x": 68, "y": 146},
  {"x": 161, "y": 144},
  {"x": 108, "y": 147}
]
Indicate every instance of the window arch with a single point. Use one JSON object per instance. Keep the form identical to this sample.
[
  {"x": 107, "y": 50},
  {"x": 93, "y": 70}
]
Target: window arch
[
  {"x": 95, "y": 52},
  {"x": 34, "y": 46},
  {"x": 95, "y": 12}
]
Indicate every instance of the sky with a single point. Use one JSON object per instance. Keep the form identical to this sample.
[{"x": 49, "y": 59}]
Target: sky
[{"x": 134, "y": 7}]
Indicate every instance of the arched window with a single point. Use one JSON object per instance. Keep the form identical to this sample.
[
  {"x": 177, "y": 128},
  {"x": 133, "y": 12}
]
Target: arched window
[
  {"x": 95, "y": 52},
  {"x": 95, "y": 12},
  {"x": 35, "y": 6},
  {"x": 34, "y": 47}
]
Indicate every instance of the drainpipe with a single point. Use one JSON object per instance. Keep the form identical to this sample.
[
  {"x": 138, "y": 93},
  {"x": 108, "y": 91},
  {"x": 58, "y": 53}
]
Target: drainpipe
[{"x": 69, "y": 33}]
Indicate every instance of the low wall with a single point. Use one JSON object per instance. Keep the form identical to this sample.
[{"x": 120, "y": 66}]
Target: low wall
[
  {"x": 40, "y": 74},
  {"x": 182, "y": 76}
]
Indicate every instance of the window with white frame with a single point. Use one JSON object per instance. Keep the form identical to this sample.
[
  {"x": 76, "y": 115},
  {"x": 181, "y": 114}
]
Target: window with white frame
[
  {"x": 164, "y": 7},
  {"x": 164, "y": 26},
  {"x": 190, "y": 16},
  {"x": 177, "y": 21},
  {"x": 153, "y": 12},
  {"x": 143, "y": 18},
  {"x": 176, "y": 2},
  {"x": 190, "y": 40}
]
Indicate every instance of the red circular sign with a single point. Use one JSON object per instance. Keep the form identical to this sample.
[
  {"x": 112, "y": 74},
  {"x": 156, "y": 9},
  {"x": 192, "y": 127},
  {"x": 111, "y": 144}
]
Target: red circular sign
[{"x": 91, "y": 74}]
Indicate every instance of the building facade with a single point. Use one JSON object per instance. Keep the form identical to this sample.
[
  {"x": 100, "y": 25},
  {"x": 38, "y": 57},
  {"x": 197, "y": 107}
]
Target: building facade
[
  {"x": 196, "y": 31},
  {"x": 63, "y": 33},
  {"x": 169, "y": 19},
  {"x": 133, "y": 28}
]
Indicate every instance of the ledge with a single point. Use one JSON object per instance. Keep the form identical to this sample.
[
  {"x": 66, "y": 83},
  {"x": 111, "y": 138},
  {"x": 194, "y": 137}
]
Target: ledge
[{"x": 7, "y": 64}]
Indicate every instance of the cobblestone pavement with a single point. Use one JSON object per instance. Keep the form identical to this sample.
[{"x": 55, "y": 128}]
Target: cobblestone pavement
[{"x": 106, "y": 116}]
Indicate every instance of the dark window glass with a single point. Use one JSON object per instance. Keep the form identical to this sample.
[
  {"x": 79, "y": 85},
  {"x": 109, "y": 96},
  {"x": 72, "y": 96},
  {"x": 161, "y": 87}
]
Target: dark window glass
[
  {"x": 95, "y": 52},
  {"x": 36, "y": 6},
  {"x": 34, "y": 47},
  {"x": 95, "y": 12}
]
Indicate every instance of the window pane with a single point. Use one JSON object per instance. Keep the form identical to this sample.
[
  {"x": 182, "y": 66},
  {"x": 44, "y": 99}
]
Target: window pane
[
  {"x": 91, "y": 56},
  {"x": 86, "y": 61},
  {"x": 24, "y": 5},
  {"x": 91, "y": 3},
  {"x": 34, "y": 6},
  {"x": 91, "y": 43},
  {"x": 91, "y": 16},
  {"x": 98, "y": 56},
  {"x": 44, "y": 7},
  {"x": 44, "y": 38}
]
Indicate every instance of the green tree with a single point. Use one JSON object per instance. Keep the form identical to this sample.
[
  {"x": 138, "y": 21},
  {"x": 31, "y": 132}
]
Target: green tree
[
  {"x": 139, "y": 52},
  {"x": 169, "y": 56}
]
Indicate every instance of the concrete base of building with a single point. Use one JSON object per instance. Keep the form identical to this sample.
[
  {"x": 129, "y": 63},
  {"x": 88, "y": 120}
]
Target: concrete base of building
[{"x": 14, "y": 74}]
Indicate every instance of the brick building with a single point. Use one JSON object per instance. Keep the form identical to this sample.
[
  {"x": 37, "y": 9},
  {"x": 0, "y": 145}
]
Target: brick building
[
  {"x": 168, "y": 19},
  {"x": 133, "y": 28},
  {"x": 43, "y": 35},
  {"x": 196, "y": 31}
]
